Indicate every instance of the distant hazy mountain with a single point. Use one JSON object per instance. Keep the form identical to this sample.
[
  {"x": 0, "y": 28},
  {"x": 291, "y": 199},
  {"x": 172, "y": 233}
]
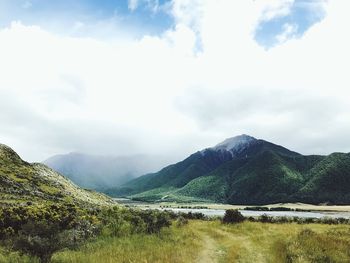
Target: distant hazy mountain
[
  {"x": 22, "y": 182},
  {"x": 99, "y": 172},
  {"x": 245, "y": 170}
]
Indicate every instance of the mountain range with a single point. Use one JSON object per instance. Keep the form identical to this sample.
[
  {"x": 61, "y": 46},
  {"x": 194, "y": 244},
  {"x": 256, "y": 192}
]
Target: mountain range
[
  {"x": 27, "y": 183},
  {"x": 246, "y": 170},
  {"x": 99, "y": 172}
]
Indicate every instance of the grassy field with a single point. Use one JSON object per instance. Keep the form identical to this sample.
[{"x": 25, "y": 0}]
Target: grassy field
[
  {"x": 171, "y": 245},
  {"x": 203, "y": 241}
]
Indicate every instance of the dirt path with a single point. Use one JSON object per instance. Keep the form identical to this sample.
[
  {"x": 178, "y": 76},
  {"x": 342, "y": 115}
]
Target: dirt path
[
  {"x": 222, "y": 246},
  {"x": 209, "y": 253}
]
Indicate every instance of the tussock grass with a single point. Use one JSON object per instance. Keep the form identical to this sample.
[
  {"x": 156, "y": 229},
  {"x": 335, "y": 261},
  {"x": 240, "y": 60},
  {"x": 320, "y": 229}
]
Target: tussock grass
[
  {"x": 278, "y": 243},
  {"x": 15, "y": 257},
  {"x": 212, "y": 241},
  {"x": 175, "y": 244}
]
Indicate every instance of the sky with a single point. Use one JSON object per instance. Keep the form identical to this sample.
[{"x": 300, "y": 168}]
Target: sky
[{"x": 174, "y": 76}]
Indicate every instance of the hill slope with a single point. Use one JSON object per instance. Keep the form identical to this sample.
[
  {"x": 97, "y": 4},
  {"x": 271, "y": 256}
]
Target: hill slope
[
  {"x": 329, "y": 180},
  {"x": 244, "y": 170},
  {"x": 22, "y": 182}
]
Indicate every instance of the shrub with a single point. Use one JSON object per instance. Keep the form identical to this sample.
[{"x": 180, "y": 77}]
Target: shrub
[
  {"x": 252, "y": 219},
  {"x": 155, "y": 220},
  {"x": 193, "y": 215},
  {"x": 42, "y": 230},
  {"x": 119, "y": 221},
  {"x": 232, "y": 216},
  {"x": 265, "y": 219},
  {"x": 181, "y": 221}
]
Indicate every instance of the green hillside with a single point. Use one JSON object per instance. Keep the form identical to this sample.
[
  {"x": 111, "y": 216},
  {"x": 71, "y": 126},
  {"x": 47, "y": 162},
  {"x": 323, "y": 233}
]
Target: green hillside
[
  {"x": 251, "y": 172},
  {"x": 22, "y": 182},
  {"x": 177, "y": 175},
  {"x": 329, "y": 180}
]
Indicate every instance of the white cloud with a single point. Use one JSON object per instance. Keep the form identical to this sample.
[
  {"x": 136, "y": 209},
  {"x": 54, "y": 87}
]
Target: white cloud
[
  {"x": 133, "y": 4},
  {"x": 289, "y": 31},
  {"x": 159, "y": 94},
  {"x": 152, "y": 5},
  {"x": 275, "y": 8}
]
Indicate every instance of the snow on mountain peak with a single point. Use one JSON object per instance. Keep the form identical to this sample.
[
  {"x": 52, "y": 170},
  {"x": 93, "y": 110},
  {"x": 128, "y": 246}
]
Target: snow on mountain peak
[{"x": 234, "y": 143}]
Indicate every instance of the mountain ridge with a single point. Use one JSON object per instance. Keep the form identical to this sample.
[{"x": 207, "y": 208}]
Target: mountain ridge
[
  {"x": 23, "y": 182},
  {"x": 246, "y": 170}
]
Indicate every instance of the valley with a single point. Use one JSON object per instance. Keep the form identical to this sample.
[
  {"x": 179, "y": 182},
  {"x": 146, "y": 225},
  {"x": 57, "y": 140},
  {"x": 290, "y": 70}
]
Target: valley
[
  {"x": 174, "y": 131},
  {"x": 47, "y": 218}
]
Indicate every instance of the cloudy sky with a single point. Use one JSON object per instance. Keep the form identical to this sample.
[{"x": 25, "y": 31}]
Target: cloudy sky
[{"x": 173, "y": 76}]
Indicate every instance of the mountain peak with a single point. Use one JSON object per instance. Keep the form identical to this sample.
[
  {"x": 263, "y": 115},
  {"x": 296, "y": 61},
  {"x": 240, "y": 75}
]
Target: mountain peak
[
  {"x": 234, "y": 143},
  {"x": 6, "y": 153}
]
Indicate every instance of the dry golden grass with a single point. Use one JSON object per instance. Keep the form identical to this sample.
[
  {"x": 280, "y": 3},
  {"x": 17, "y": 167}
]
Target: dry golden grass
[
  {"x": 176, "y": 245},
  {"x": 211, "y": 241}
]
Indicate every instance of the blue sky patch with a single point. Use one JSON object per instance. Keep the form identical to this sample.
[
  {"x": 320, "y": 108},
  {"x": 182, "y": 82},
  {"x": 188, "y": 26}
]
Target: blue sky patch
[
  {"x": 147, "y": 17},
  {"x": 53, "y": 14},
  {"x": 303, "y": 14}
]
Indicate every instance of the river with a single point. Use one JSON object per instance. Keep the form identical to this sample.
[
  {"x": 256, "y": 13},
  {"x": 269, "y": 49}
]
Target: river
[{"x": 246, "y": 213}]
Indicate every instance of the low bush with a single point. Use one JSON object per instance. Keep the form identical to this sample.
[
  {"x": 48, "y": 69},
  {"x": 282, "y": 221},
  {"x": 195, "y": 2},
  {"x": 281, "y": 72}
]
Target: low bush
[
  {"x": 181, "y": 221},
  {"x": 193, "y": 216},
  {"x": 232, "y": 216},
  {"x": 117, "y": 221},
  {"x": 265, "y": 219},
  {"x": 299, "y": 220},
  {"x": 42, "y": 230}
]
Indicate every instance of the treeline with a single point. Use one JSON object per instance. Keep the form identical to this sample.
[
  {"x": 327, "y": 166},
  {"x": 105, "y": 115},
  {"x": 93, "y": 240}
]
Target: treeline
[
  {"x": 185, "y": 207},
  {"x": 279, "y": 208},
  {"x": 234, "y": 216}
]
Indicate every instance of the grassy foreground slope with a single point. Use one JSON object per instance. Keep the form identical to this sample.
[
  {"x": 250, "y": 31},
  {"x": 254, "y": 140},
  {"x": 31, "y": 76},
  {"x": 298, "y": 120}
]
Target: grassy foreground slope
[
  {"x": 202, "y": 241},
  {"x": 22, "y": 182}
]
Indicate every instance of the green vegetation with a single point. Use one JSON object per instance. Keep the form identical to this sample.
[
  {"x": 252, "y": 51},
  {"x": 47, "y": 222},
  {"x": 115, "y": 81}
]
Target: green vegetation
[
  {"x": 207, "y": 187},
  {"x": 42, "y": 212},
  {"x": 41, "y": 230},
  {"x": 22, "y": 182},
  {"x": 46, "y": 218},
  {"x": 68, "y": 233},
  {"x": 329, "y": 180},
  {"x": 277, "y": 208},
  {"x": 262, "y": 173},
  {"x": 177, "y": 175},
  {"x": 232, "y": 216},
  {"x": 177, "y": 244}
]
